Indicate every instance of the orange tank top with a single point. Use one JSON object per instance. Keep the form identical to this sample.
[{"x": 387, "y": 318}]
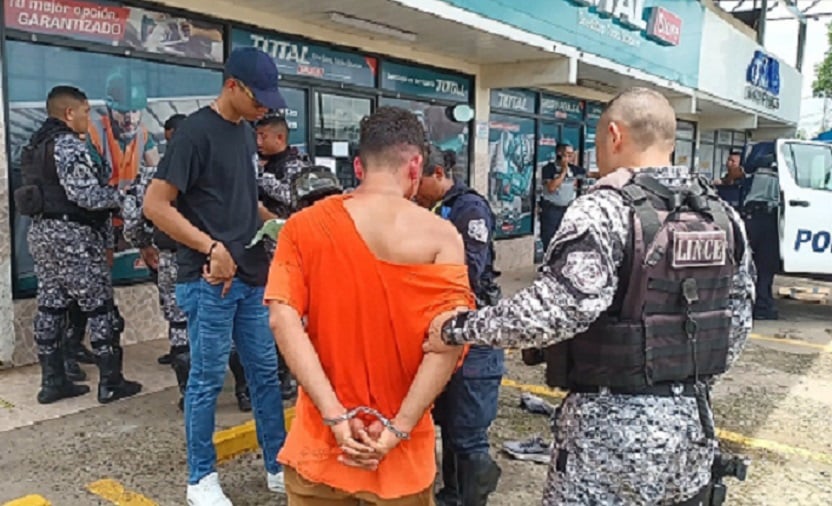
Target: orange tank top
[{"x": 367, "y": 320}]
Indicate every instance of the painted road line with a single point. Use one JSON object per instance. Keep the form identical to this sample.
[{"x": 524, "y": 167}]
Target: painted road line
[
  {"x": 29, "y": 500},
  {"x": 114, "y": 492},
  {"x": 243, "y": 438},
  {"x": 725, "y": 435},
  {"x": 824, "y": 348}
]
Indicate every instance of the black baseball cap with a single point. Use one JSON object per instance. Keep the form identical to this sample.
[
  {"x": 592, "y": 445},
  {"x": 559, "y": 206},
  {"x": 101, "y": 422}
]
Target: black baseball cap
[{"x": 258, "y": 72}]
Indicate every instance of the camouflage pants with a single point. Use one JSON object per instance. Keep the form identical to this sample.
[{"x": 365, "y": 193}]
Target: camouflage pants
[
  {"x": 166, "y": 283},
  {"x": 70, "y": 264},
  {"x": 627, "y": 451}
]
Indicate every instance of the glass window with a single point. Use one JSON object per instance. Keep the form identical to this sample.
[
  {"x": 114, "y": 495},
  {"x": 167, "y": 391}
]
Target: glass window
[
  {"x": 811, "y": 165},
  {"x": 295, "y": 113},
  {"x": 441, "y": 131},
  {"x": 337, "y": 132},
  {"x": 685, "y": 130},
  {"x": 511, "y": 145},
  {"x": 706, "y": 160},
  {"x": 683, "y": 155},
  {"x": 158, "y": 91}
]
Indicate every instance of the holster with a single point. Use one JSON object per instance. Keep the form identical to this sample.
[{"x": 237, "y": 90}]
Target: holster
[{"x": 28, "y": 200}]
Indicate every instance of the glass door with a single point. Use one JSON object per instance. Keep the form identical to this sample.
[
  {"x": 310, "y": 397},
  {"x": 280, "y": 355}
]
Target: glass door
[{"x": 337, "y": 131}]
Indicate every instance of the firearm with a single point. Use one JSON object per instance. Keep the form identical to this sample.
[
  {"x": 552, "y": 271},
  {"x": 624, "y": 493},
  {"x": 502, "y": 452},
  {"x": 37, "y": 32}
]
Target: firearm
[{"x": 724, "y": 466}]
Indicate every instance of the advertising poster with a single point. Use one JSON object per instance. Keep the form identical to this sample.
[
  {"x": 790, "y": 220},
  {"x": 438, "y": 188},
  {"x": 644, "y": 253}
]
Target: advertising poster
[
  {"x": 130, "y": 101},
  {"x": 511, "y": 153},
  {"x": 441, "y": 131},
  {"x": 424, "y": 82},
  {"x": 116, "y": 25}
]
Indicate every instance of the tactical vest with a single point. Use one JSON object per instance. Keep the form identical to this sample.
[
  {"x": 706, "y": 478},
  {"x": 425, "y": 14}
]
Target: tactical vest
[
  {"x": 763, "y": 192},
  {"x": 670, "y": 319},
  {"x": 278, "y": 169},
  {"x": 488, "y": 292},
  {"x": 41, "y": 193}
]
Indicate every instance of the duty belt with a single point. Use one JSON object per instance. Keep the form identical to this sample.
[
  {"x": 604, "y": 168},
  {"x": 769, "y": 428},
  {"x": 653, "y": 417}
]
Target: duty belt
[
  {"x": 73, "y": 218},
  {"x": 664, "y": 390}
]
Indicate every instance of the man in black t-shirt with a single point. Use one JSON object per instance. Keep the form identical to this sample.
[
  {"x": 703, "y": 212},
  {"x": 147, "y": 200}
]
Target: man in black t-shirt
[{"x": 210, "y": 172}]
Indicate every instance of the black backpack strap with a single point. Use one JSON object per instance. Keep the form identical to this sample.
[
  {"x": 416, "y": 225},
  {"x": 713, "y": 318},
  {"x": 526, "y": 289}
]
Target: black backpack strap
[{"x": 639, "y": 201}]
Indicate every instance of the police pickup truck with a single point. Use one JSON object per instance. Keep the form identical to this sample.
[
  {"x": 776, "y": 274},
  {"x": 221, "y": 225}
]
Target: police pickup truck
[{"x": 804, "y": 172}]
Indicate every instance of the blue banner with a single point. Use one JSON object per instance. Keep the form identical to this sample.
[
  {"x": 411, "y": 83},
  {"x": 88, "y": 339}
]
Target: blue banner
[
  {"x": 298, "y": 58},
  {"x": 425, "y": 82}
]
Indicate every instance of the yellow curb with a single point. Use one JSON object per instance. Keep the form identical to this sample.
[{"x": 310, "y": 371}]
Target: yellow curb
[
  {"x": 725, "y": 435},
  {"x": 114, "y": 492},
  {"x": 29, "y": 500},
  {"x": 240, "y": 439}
]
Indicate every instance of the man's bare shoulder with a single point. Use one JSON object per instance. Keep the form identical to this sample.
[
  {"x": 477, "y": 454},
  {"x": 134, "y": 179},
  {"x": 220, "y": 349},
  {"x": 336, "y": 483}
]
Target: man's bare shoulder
[{"x": 439, "y": 232}]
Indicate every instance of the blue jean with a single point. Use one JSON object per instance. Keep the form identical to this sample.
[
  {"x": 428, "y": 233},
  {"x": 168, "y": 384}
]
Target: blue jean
[
  {"x": 468, "y": 406},
  {"x": 212, "y": 321},
  {"x": 550, "y": 218}
]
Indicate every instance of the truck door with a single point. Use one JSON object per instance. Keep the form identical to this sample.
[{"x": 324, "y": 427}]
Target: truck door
[{"x": 805, "y": 173}]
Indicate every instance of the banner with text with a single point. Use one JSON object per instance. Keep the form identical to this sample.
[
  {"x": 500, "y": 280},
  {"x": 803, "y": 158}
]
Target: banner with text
[
  {"x": 116, "y": 25},
  {"x": 298, "y": 58},
  {"x": 424, "y": 82}
]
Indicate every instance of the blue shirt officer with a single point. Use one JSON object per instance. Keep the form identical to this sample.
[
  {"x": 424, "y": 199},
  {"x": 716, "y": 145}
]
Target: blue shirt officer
[{"x": 468, "y": 406}]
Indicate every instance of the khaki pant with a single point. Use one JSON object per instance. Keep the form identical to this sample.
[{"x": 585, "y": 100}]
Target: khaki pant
[{"x": 302, "y": 492}]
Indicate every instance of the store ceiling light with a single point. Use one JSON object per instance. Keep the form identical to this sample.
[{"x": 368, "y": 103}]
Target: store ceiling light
[{"x": 371, "y": 26}]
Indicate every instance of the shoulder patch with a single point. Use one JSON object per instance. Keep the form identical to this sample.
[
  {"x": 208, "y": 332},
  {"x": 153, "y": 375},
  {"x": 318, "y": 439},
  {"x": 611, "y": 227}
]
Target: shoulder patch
[{"x": 477, "y": 230}]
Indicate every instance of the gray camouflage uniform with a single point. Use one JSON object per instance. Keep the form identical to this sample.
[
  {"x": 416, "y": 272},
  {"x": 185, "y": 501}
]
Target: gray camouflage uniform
[
  {"x": 278, "y": 190},
  {"x": 138, "y": 231},
  {"x": 622, "y": 450},
  {"x": 70, "y": 261}
]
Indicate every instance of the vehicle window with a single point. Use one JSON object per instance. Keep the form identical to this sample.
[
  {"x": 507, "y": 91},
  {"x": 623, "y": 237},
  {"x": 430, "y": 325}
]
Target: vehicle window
[{"x": 812, "y": 165}]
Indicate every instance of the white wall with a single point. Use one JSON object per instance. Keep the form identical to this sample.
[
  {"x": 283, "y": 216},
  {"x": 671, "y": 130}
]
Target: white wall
[{"x": 724, "y": 74}]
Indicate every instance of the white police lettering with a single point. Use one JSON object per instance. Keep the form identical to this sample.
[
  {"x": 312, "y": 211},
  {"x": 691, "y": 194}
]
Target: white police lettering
[
  {"x": 699, "y": 249},
  {"x": 477, "y": 230},
  {"x": 281, "y": 50},
  {"x": 628, "y": 12}
]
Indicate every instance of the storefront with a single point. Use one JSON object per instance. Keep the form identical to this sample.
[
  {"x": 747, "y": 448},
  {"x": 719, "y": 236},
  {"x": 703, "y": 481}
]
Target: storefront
[
  {"x": 715, "y": 147},
  {"x": 329, "y": 89}
]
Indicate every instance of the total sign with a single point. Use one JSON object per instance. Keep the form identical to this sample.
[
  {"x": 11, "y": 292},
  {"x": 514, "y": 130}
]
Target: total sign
[{"x": 660, "y": 24}]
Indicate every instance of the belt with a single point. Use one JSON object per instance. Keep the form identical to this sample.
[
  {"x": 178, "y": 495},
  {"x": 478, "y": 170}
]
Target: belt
[
  {"x": 73, "y": 218},
  {"x": 664, "y": 390}
]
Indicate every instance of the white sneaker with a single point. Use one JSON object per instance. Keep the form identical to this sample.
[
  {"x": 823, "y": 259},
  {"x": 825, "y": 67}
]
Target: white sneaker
[
  {"x": 207, "y": 492},
  {"x": 276, "y": 482}
]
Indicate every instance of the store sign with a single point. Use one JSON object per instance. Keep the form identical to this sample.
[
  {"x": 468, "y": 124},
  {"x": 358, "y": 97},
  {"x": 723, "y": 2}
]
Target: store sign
[
  {"x": 763, "y": 78},
  {"x": 514, "y": 100},
  {"x": 423, "y": 82},
  {"x": 593, "y": 112},
  {"x": 299, "y": 58},
  {"x": 114, "y": 25},
  {"x": 562, "y": 108},
  {"x": 664, "y": 27},
  {"x": 660, "y": 25}
]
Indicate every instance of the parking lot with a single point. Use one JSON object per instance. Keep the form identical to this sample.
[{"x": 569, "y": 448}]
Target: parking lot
[{"x": 773, "y": 407}]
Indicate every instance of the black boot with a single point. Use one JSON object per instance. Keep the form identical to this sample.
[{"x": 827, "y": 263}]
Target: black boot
[
  {"x": 478, "y": 475},
  {"x": 54, "y": 384},
  {"x": 449, "y": 494},
  {"x": 181, "y": 364},
  {"x": 166, "y": 359},
  {"x": 112, "y": 386},
  {"x": 73, "y": 370},
  {"x": 240, "y": 384},
  {"x": 75, "y": 330}
]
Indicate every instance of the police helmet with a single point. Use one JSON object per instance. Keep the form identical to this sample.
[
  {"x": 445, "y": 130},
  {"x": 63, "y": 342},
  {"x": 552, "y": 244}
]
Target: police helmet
[{"x": 312, "y": 184}]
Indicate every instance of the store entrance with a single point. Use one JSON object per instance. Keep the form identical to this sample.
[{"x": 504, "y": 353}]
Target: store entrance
[{"x": 337, "y": 130}]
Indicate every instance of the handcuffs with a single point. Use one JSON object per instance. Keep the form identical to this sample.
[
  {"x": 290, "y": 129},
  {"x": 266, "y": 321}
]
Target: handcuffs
[{"x": 329, "y": 422}]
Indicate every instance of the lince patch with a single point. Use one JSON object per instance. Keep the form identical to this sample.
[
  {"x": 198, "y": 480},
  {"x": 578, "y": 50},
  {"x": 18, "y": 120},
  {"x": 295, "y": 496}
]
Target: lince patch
[{"x": 699, "y": 249}]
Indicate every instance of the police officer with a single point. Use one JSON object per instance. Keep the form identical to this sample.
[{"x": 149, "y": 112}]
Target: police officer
[
  {"x": 280, "y": 164},
  {"x": 649, "y": 259},
  {"x": 70, "y": 203},
  {"x": 159, "y": 253},
  {"x": 468, "y": 406},
  {"x": 760, "y": 209}
]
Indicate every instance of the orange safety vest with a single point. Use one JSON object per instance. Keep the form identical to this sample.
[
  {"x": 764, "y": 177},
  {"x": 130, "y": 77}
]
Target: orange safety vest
[{"x": 125, "y": 163}]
